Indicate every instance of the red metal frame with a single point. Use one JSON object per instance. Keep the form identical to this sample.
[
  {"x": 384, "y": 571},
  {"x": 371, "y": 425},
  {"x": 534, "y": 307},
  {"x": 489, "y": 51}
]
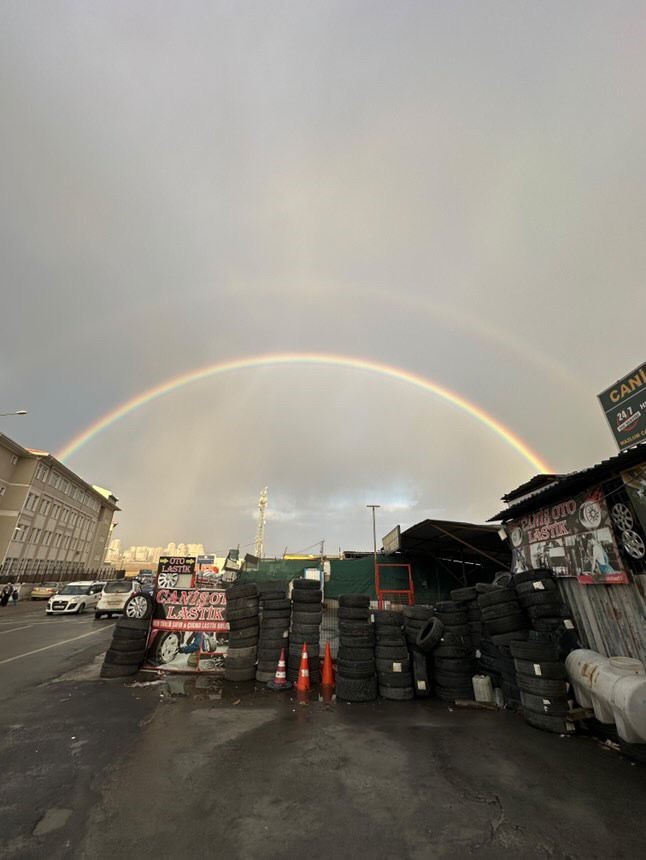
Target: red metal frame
[{"x": 409, "y": 592}]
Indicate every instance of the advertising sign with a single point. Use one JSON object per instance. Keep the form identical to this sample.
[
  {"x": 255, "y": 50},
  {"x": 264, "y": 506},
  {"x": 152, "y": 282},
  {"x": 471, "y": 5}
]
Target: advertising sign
[
  {"x": 392, "y": 541},
  {"x": 635, "y": 483},
  {"x": 572, "y": 537},
  {"x": 625, "y": 406},
  {"x": 178, "y": 570},
  {"x": 189, "y": 632}
]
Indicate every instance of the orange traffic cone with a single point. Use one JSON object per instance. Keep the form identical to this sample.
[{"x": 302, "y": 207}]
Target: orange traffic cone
[
  {"x": 327, "y": 679},
  {"x": 280, "y": 681},
  {"x": 303, "y": 683}
]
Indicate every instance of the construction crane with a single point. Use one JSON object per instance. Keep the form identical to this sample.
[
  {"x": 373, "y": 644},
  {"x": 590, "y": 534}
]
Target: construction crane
[{"x": 260, "y": 531}]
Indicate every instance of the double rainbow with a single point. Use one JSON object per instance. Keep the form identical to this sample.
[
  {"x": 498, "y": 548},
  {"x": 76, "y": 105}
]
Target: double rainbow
[{"x": 296, "y": 358}]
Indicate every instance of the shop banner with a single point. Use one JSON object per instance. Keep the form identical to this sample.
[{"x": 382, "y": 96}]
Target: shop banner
[
  {"x": 189, "y": 632},
  {"x": 572, "y": 537},
  {"x": 176, "y": 571},
  {"x": 625, "y": 406}
]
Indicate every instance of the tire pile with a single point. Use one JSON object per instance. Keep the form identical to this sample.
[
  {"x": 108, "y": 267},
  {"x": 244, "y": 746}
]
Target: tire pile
[
  {"x": 454, "y": 662},
  {"x": 539, "y": 596},
  {"x": 393, "y": 662},
  {"x": 127, "y": 650},
  {"x": 307, "y": 613},
  {"x": 275, "y": 616},
  {"x": 467, "y": 598},
  {"x": 415, "y": 617},
  {"x": 503, "y": 622},
  {"x": 543, "y": 683},
  {"x": 242, "y": 614},
  {"x": 356, "y": 674}
]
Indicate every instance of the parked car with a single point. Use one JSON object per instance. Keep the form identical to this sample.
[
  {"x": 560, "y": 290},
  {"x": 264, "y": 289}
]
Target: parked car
[
  {"x": 75, "y": 597},
  {"x": 114, "y": 596},
  {"x": 45, "y": 590}
]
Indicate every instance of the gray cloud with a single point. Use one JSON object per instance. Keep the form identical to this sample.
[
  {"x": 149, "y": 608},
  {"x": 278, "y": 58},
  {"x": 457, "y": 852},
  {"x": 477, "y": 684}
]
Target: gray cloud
[{"x": 455, "y": 190}]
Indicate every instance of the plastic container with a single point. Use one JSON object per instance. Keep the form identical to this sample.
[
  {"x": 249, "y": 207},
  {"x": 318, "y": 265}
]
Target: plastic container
[{"x": 483, "y": 689}]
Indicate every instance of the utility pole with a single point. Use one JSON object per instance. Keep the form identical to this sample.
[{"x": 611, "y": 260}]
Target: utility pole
[
  {"x": 374, "y": 532},
  {"x": 260, "y": 531}
]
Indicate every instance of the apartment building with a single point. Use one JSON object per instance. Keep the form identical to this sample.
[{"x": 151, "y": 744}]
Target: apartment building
[{"x": 49, "y": 516}]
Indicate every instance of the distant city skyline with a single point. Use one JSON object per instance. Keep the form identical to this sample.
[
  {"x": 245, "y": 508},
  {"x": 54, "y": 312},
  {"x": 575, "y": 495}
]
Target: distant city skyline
[{"x": 150, "y": 554}]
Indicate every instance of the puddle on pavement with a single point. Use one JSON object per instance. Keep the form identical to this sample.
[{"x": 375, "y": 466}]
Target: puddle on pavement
[{"x": 212, "y": 689}]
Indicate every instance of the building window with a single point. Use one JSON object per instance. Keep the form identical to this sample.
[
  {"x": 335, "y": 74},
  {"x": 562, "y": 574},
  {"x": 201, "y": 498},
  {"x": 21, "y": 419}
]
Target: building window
[
  {"x": 3, "y": 490},
  {"x": 45, "y": 506},
  {"x": 47, "y": 538},
  {"x": 57, "y": 539},
  {"x": 20, "y": 533},
  {"x": 13, "y": 459}
]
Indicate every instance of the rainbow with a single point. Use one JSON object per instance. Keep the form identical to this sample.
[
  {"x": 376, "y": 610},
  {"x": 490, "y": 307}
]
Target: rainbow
[{"x": 305, "y": 358}]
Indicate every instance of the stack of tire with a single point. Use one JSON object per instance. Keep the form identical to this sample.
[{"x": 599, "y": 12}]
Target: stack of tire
[
  {"x": 393, "y": 661},
  {"x": 467, "y": 599},
  {"x": 307, "y": 613},
  {"x": 454, "y": 665},
  {"x": 356, "y": 673},
  {"x": 503, "y": 622},
  {"x": 542, "y": 678},
  {"x": 415, "y": 617},
  {"x": 539, "y": 596},
  {"x": 242, "y": 614},
  {"x": 275, "y": 614},
  {"x": 127, "y": 650}
]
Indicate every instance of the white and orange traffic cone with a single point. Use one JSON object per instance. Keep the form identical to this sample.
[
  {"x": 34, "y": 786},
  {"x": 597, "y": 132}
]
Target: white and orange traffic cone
[
  {"x": 303, "y": 683},
  {"x": 280, "y": 681}
]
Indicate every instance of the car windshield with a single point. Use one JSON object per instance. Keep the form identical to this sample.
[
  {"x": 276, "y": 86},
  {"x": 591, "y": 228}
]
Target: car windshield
[
  {"x": 75, "y": 589},
  {"x": 118, "y": 587}
]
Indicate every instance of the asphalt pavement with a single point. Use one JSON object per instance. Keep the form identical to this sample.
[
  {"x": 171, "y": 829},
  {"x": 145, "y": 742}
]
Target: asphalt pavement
[{"x": 194, "y": 767}]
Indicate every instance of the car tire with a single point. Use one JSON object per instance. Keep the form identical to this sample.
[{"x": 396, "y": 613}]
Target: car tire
[
  {"x": 397, "y": 694},
  {"x": 162, "y": 653},
  {"x": 139, "y": 606},
  {"x": 553, "y": 706},
  {"x": 429, "y": 635},
  {"x": 98, "y": 615},
  {"x": 81, "y": 609},
  {"x": 559, "y": 725},
  {"x": 356, "y": 689}
]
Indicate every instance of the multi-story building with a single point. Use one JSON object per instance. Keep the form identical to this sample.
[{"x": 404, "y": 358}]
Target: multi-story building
[{"x": 49, "y": 516}]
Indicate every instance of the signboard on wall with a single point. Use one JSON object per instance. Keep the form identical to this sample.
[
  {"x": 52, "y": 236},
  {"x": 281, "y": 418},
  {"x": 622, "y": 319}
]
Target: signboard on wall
[
  {"x": 392, "y": 541},
  {"x": 624, "y": 404},
  {"x": 624, "y": 519},
  {"x": 572, "y": 537},
  {"x": 189, "y": 632},
  {"x": 176, "y": 570}
]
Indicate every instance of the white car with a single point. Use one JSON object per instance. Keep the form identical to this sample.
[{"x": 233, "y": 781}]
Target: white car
[
  {"x": 115, "y": 595},
  {"x": 75, "y": 597}
]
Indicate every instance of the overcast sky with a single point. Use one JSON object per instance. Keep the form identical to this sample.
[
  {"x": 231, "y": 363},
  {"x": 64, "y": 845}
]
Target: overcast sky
[{"x": 456, "y": 189}]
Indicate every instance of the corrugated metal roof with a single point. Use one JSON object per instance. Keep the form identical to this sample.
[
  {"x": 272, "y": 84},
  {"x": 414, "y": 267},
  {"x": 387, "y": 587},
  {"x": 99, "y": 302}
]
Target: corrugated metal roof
[{"x": 575, "y": 481}]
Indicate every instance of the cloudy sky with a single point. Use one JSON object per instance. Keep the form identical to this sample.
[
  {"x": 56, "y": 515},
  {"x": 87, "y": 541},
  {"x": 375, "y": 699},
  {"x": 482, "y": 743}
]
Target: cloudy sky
[{"x": 453, "y": 189}]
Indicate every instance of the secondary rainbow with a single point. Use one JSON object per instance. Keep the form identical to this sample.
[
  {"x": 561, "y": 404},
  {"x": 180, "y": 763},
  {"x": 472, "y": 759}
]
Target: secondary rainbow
[{"x": 305, "y": 358}]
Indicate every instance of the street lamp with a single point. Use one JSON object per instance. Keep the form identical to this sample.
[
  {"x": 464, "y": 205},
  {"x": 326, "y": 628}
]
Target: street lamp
[
  {"x": 374, "y": 532},
  {"x": 17, "y": 412}
]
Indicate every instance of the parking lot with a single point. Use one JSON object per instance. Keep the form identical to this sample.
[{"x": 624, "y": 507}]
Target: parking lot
[{"x": 196, "y": 767}]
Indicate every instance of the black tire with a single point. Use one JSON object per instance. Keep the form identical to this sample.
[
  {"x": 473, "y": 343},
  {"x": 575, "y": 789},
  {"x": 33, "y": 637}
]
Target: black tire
[
  {"x": 139, "y": 606},
  {"x": 453, "y": 679},
  {"x": 451, "y": 651},
  {"x": 307, "y": 597},
  {"x": 505, "y": 638},
  {"x": 558, "y": 725},
  {"x": 264, "y": 677},
  {"x": 352, "y": 654},
  {"x": 99, "y": 615},
  {"x": 248, "y": 674},
  {"x": 133, "y": 624},
  {"x": 271, "y": 655},
  {"x": 296, "y": 651},
  {"x": 500, "y": 610},
  {"x": 464, "y": 595},
  {"x": 304, "y": 630},
  {"x": 306, "y": 585},
  {"x": 457, "y": 665},
  {"x": 129, "y": 635},
  {"x": 458, "y": 629},
  {"x": 240, "y": 614},
  {"x": 249, "y": 634},
  {"x": 532, "y": 575},
  {"x": 249, "y": 652},
  {"x": 113, "y": 670},
  {"x": 356, "y": 670},
  {"x": 125, "y": 658},
  {"x": 356, "y": 689},
  {"x": 242, "y": 603},
  {"x": 506, "y": 625},
  {"x": 273, "y": 604},
  {"x": 388, "y": 618},
  {"x": 417, "y": 613},
  {"x": 553, "y": 625},
  {"x": 534, "y": 650},
  {"x": 552, "y": 670},
  {"x": 551, "y": 705},
  {"x": 450, "y": 694},
  {"x": 429, "y": 636},
  {"x": 547, "y": 610},
  {"x": 452, "y": 618},
  {"x": 396, "y": 694},
  {"x": 357, "y": 601},
  {"x": 307, "y": 617},
  {"x": 550, "y": 598},
  {"x": 244, "y": 623},
  {"x": 306, "y": 609},
  {"x": 350, "y": 613},
  {"x": 484, "y": 587},
  {"x": 355, "y": 628},
  {"x": 391, "y": 641},
  {"x": 384, "y": 652},
  {"x": 542, "y": 686},
  {"x": 394, "y": 666},
  {"x": 536, "y": 586},
  {"x": 498, "y": 595},
  {"x": 358, "y": 641},
  {"x": 236, "y": 591},
  {"x": 395, "y": 679},
  {"x": 128, "y": 646}
]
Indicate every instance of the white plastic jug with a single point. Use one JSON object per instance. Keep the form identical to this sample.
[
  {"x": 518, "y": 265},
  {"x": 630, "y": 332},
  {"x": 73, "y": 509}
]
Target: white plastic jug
[{"x": 482, "y": 688}]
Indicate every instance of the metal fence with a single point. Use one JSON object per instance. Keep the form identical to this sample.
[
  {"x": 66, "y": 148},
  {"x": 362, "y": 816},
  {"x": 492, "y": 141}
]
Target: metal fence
[{"x": 37, "y": 572}]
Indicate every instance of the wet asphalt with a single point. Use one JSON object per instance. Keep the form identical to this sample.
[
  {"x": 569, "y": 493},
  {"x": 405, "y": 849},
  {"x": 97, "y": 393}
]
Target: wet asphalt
[{"x": 193, "y": 767}]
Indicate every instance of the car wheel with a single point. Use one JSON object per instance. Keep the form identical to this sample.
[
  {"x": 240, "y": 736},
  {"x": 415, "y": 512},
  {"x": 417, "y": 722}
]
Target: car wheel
[
  {"x": 81, "y": 609},
  {"x": 166, "y": 647},
  {"x": 167, "y": 579},
  {"x": 138, "y": 606},
  {"x": 98, "y": 615}
]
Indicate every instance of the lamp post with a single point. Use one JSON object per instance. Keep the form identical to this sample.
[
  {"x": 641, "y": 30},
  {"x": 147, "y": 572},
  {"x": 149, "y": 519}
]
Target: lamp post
[{"x": 374, "y": 532}]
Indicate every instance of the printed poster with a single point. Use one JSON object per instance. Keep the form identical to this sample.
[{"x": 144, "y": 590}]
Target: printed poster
[{"x": 572, "y": 537}]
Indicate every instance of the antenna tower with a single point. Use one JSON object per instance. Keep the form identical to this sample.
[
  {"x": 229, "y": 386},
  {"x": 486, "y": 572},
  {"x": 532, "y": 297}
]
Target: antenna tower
[{"x": 260, "y": 531}]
